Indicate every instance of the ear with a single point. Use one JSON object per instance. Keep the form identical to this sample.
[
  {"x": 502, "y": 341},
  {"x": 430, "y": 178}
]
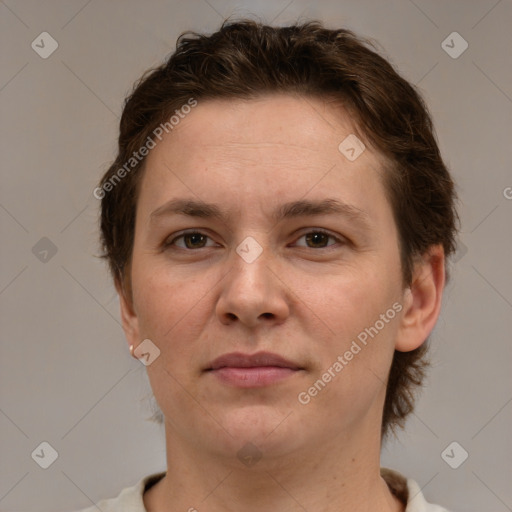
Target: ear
[
  {"x": 129, "y": 318},
  {"x": 422, "y": 301}
]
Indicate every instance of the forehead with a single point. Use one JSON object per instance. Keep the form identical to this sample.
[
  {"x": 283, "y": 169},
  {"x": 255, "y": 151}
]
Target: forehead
[
  {"x": 299, "y": 123},
  {"x": 272, "y": 149}
]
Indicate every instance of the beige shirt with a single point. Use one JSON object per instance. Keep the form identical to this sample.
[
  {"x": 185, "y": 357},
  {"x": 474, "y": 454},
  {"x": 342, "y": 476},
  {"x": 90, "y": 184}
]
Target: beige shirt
[{"x": 130, "y": 498}]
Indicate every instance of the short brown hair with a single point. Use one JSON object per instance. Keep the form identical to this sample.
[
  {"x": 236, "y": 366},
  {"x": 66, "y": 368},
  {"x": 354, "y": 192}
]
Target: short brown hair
[{"x": 247, "y": 59}]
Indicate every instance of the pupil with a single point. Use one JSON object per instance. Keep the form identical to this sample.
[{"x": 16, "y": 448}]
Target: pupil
[
  {"x": 193, "y": 238},
  {"x": 315, "y": 237}
]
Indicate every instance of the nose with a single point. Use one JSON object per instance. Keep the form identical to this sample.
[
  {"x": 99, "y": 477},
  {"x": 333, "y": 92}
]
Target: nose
[{"x": 252, "y": 293}]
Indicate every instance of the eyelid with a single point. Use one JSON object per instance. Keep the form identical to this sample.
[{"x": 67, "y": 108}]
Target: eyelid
[
  {"x": 175, "y": 236},
  {"x": 339, "y": 239},
  {"x": 169, "y": 241}
]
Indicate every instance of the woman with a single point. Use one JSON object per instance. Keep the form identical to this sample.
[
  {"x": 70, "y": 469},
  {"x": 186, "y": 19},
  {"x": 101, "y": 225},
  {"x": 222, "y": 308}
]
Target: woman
[{"x": 277, "y": 223}]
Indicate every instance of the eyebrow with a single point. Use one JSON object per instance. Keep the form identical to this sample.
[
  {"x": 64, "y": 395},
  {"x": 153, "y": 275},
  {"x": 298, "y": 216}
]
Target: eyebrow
[{"x": 293, "y": 209}]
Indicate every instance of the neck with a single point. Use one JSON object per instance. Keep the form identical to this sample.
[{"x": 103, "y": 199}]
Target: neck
[{"x": 342, "y": 475}]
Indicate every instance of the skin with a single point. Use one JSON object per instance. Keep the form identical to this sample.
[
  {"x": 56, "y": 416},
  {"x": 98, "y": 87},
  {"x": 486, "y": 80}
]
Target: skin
[{"x": 304, "y": 299}]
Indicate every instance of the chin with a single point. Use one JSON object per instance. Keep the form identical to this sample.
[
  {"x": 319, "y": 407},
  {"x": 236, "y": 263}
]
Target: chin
[{"x": 264, "y": 426}]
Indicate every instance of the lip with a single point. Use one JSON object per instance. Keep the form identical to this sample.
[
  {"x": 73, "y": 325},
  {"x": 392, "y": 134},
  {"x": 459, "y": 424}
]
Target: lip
[
  {"x": 259, "y": 359},
  {"x": 252, "y": 370}
]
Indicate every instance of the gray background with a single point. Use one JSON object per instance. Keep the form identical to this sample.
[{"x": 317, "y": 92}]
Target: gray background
[{"x": 66, "y": 375}]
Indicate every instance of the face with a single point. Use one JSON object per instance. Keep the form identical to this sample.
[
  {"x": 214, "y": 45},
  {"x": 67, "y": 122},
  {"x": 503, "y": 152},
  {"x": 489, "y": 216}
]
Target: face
[{"x": 291, "y": 250}]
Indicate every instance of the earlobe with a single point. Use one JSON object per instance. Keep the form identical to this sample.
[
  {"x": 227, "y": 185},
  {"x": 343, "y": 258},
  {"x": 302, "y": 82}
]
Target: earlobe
[{"x": 422, "y": 300}]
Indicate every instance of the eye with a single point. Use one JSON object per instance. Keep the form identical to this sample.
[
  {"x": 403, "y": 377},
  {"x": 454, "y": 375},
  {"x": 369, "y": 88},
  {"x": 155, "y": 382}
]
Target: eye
[
  {"x": 191, "y": 239},
  {"x": 318, "y": 239},
  {"x": 315, "y": 239}
]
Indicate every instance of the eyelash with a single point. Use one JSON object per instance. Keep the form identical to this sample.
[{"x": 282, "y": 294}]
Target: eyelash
[{"x": 170, "y": 244}]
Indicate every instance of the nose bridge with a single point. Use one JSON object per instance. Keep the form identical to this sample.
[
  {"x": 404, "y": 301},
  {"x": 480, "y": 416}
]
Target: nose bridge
[
  {"x": 250, "y": 250},
  {"x": 250, "y": 266},
  {"x": 251, "y": 290}
]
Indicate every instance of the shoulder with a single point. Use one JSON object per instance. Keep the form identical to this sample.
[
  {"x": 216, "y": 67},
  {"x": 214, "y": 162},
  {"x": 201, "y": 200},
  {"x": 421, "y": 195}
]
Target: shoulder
[
  {"x": 409, "y": 492},
  {"x": 129, "y": 499}
]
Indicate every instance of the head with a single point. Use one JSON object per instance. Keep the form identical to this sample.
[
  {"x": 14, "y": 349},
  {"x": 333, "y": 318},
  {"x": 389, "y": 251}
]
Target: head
[{"x": 249, "y": 118}]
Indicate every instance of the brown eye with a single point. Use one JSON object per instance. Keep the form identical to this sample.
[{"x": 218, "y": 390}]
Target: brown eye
[
  {"x": 318, "y": 239},
  {"x": 191, "y": 240}
]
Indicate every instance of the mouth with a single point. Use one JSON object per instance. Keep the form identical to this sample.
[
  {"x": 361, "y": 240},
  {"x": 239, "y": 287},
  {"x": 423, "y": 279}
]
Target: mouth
[{"x": 250, "y": 371}]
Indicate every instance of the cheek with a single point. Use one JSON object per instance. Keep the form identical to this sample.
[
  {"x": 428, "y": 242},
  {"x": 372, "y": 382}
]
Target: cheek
[
  {"x": 163, "y": 301},
  {"x": 171, "y": 313},
  {"x": 174, "y": 311},
  {"x": 347, "y": 300},
  {"x": 349, "y": 308}
]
